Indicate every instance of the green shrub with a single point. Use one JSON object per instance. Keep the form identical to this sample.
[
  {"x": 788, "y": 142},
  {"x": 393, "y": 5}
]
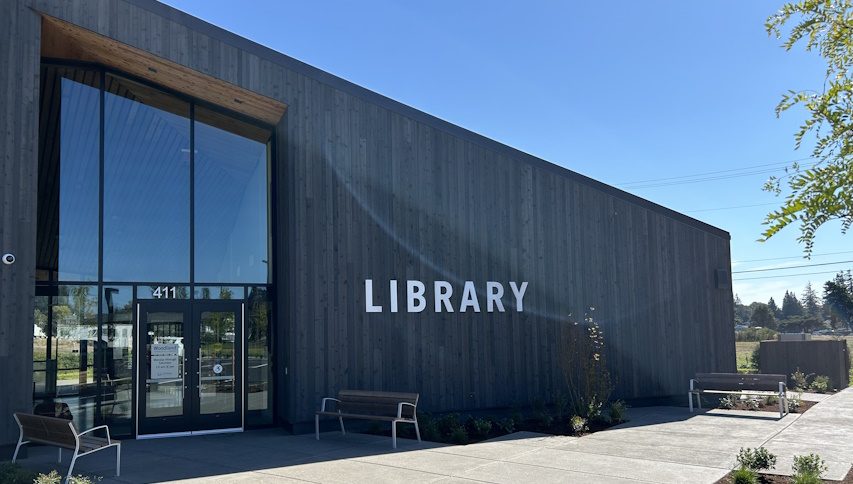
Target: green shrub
[
  {"x": 794, "y": 404},
  {"x": 755, "y": 334},
  {"x": 771, "y": 400},
  {"x": 579, "y": 424},
  {"x": 729, "y": 401},
  {"x": 617, "y": 411},
  {"x": 507, "y": 425},
  {"x": 459, "y": 435},
  {"x": 481, "y": 427},
  {"x": 13, "y": 474},
  {"x": 808, "y": 469},
  {"x": 756, "y": 460},
  {"x": 821, "y": 384},
  {"x": 447, "y": 423},
  {"x": 744, "y": 476},
  {"x": 752, "y": 403},
  {"x": 799, "y": 380},
  {"x": 540, "y": 411},
  {"x": 561, "y": 401},
  {"x": 55, "y": 478},
  {"x": 755, "y": 358}
]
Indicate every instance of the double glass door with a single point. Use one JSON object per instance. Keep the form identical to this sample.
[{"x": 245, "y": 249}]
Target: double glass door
[{"x": 190, "y": 369}]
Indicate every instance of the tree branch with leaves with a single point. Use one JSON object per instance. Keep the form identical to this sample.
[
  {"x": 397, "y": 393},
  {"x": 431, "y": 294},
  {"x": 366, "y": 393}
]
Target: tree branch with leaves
[{"x": 823, "y": 191}]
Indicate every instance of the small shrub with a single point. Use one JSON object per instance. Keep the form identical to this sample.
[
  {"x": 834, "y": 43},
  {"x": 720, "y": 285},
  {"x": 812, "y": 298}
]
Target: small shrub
[
  {"x": 516, "y": 415},
  {"x": 756, "y": 460},
  {"x": 806, "y": 479},
  {"x": 617, "y": 411},
  {"x": 820, "y": 384},
  {"x": 744, "y": 476},
  {"x": 459, "y": 435},
  {"x": 794, "y": 404},
  {"x": 771, "y": 400},
  {"x": 430, "y": 430},
  {"x": 753, "y": 403},
  {"x": 808, "y": 468},
  {"x": 755, "y": 358},
  {"x": 579, "y": 424},
  {"x": 540, "y": 411},
  {"x": 481, "y": 427},
  {"x": 13, "y": 474},
  {"x": 799, "y": 380},
  {"x": 448, "y": 423},
  {"x": 507, "y": 425},
  {"x": 55, "y": 478},
  {"x": 729, "y": 401}
]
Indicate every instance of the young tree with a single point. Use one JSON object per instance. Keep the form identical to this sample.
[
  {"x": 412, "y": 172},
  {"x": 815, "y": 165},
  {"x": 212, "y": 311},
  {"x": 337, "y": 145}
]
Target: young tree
[
  {"x": 762, "y": 316},
  {"x": 839, "y": 299},
  {"x": 791, "y": 306},
  {"x": 823, "y": 192}
]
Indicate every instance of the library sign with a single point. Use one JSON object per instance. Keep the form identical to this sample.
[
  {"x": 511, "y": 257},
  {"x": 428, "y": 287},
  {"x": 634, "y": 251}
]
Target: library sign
[{"x": 441, "y": 297}]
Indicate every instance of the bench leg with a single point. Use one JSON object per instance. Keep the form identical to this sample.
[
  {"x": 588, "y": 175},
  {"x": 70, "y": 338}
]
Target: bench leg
[
  {"x": 118, "y": 460},
  {"x": 343, "y": 431},
  {"x": 417, "y": 432},
  {"x": 690, "y": 401},
  {"x": 394, "y": 434},
  {"x": 59, "y": 459},
  {"x": 18, "y": 447},
  {"x": 71, "y": 468},
  {"x": 317, "y": 426}
]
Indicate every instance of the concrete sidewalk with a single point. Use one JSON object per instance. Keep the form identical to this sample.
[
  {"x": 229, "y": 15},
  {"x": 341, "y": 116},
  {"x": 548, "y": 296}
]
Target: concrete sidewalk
[{"x": 659, "y": 444}]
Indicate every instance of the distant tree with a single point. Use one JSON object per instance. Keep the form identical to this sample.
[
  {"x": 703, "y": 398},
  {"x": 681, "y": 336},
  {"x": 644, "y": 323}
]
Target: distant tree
[
  {"x": 741, "y": 311},
  {"x": 762, "y": 316},
  {"x": 838, "y": 298},
  {"x": 777, "y": 313},
  {"x": 791, "y": 306},
  {"x": 800, "y": 324},
  {"x": 811, "y": 303},
  {"x": 822, "y": 191}
]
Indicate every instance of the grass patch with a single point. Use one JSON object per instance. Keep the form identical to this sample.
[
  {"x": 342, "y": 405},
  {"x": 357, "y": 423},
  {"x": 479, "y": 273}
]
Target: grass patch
[{"x": 743, "y": 350}]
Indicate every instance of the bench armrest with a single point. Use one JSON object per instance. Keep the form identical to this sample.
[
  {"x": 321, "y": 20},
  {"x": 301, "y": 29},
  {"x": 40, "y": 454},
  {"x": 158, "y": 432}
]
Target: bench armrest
[
  {"x": 400, "y": 409},
  {"x": 692, "y": 382},
  {"x": 323, "y": 405},
  {"x": 109, "y": 440}
]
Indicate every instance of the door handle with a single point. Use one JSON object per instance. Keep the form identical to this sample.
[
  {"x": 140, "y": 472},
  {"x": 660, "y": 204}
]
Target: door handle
[{"x": 199, "y": 372}]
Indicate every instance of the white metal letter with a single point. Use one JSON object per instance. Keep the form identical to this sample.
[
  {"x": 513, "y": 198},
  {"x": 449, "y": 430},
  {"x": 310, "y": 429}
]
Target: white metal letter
[
  {"x": 519, "y": 295},
  {"x": 494, "y": 293},
  {"x": 393, "y": 295},
  {"x": 443, "y": 291},
  {"x": 469, "y": 298},
  {"x": 415, "y": 291},
  {"x": 368, "y": 297}
]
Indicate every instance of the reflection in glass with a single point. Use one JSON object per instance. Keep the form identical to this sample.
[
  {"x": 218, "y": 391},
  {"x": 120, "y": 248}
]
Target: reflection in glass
[
  {"x": 218, "y": 292},
  {"x": 66, "y": 353},
  {"x": 146, "y": 185},
  {"x": 259, "y": 369},
  {"x": 117, "y": 367},
  {"x": 164, "y": 381},
  {"x": 216, "y": 364},
  {"x": 230, "y": 200}
]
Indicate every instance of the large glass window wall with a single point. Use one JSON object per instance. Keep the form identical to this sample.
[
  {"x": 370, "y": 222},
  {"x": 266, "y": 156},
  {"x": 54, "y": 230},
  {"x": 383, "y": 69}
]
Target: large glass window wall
[{"x": 141, "y": 189}]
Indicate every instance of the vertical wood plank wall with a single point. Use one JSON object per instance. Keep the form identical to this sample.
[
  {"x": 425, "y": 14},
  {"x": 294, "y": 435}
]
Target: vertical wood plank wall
[
  {"x": 368, "y": 190},
  {"x": 19, "y": 84}
]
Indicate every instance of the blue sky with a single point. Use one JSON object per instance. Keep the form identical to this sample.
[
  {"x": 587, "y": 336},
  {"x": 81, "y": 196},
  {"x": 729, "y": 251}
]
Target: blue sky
[{"x": 624, "y": 92}]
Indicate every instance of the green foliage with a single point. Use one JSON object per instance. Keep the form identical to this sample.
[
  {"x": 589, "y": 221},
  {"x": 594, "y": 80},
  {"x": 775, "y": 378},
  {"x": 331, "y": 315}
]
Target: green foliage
[
  {"x": 481, "y": 427},
  {"x": 583, "y": 361},
  {"x": 762, "y": 316},
  {"x": 821, "y": 384},
  {"x": 541, "y": 413},
  {"x": 824, "y": 191},
  {"x": 800, "y": 324},
  {"x": 755, "y": 358},
  {"x": 838, "y": 299},
  {"x": 507, "y": 425},
  {"x": 561, "y": 401},
  {"x": 55, "y": 478},
  {"x": 799, "y": 380},
  {"x": 756, "y": 334},
  {"x": 744, "y": 476},
  {"x": 753, "y": 404},
  {"x": 459, "y": 435},
  {"x": 808, "y": 469},
  {"x": 13, "y": 474},
  {"x": 729, "y": 401},
  {"x": 756, "y": 460},
  {"x": 617, "y": 411},
  {"x": 794, "y": 404},
  {"x": 579, "y": 424}
]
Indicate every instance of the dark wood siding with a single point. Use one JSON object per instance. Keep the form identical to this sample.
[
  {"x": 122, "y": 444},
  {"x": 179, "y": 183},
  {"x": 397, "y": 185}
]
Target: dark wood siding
[
  {"x": 371, "y": 189},
  {"x": 19, "y": 78}
]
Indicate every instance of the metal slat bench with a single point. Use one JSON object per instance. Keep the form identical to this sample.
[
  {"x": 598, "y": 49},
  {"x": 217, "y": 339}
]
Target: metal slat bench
[
  {"x": 391, "y": 407},
  {"x": 740, "y": 383},
  {"x": 62, "y": 433}
]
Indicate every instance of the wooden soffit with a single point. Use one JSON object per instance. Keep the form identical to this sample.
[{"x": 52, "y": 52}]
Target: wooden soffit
[{"x": 64, "y": 40}]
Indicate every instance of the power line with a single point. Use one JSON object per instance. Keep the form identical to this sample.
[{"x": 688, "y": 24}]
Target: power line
[
  {"x": 784, "y": 275},
  {"x": 793, "y": 257},
  {"x": 732, "y": 208},
  {"x": 793, "y": 267},
  {"x": 711, "y": 176}
]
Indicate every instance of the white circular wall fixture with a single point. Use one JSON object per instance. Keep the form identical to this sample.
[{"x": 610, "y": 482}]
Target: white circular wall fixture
[{"x": 8, "y": 259}]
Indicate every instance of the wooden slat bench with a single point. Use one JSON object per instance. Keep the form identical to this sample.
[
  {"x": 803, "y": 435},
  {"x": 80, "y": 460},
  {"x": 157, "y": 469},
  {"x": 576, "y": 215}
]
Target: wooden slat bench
[
  {"x": 391, "y": 407},
  {"x": 62, "y": 433},
  {"x": 740, "y": 383}
]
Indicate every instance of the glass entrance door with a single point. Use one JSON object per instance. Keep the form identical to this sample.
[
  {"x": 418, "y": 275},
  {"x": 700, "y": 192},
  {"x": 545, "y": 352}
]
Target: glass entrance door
[{"x": 190, "y": 368}]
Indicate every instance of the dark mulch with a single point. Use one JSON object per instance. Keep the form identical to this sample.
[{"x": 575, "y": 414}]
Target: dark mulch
[{"x": 775, "y": 479}]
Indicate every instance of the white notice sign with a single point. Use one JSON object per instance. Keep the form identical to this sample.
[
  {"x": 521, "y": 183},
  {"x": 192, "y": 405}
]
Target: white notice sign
[
  {"x": 164, "y": 367},
  {"x": 165, "y": 348}
]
